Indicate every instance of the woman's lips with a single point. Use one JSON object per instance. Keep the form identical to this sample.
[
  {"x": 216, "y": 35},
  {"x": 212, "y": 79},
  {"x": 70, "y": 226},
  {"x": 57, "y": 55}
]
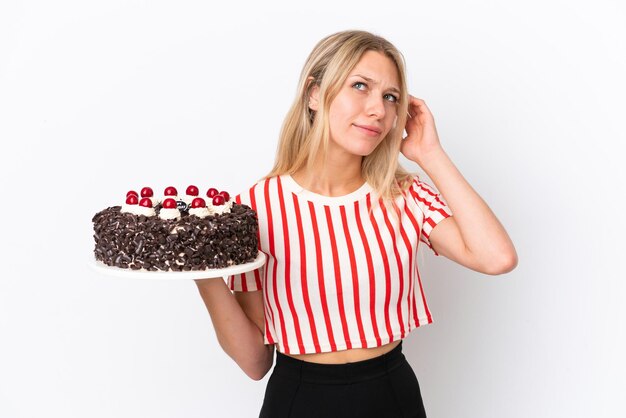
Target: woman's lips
[{"x": 368, "y": 130}]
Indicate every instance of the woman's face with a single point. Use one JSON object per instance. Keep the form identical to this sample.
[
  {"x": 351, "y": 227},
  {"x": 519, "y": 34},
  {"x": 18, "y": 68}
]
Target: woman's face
[{"x": 365, "y": 108}]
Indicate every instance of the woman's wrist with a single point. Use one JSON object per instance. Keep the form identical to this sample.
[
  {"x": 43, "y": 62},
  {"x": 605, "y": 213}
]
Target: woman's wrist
[
  {"x": 431, "y": 160},
  {"x": 209, "y": 282}
]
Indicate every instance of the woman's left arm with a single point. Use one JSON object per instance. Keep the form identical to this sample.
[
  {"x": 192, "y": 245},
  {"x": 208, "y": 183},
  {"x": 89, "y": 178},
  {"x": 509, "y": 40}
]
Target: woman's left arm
[{"x": 473, "y": 236}]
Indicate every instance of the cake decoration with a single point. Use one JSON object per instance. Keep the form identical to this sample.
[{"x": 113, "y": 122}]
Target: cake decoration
[
  {"x": 169, "y": 210},
  {"x": 190, "y": 194},
  {"x": 212, "y": 192},
  {"x": 146, "y": 192},
  {"x": 131, "y": 204},
  {"x": 226, "y": 195},
  {"x": 199, "y": 208},
  {"x": 218, "y": 200},
  {"x": 132, "y": 199},
  {"x": 145, "y": 208}
]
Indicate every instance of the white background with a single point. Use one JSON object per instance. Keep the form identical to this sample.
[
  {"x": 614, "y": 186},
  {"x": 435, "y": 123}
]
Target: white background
[{"x": 100, "y": 97}]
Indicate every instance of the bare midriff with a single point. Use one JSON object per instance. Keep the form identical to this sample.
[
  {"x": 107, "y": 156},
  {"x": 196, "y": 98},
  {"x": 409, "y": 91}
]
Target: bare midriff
[{"x": 346, "y": 356}]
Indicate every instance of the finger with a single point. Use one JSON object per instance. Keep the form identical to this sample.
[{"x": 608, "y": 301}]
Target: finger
[
  {"x": 419, "y": 108},
  {"x": 416, "y": 100},
  {"x": 416, "y": 105},
  {"x": 415, "y": 111}
]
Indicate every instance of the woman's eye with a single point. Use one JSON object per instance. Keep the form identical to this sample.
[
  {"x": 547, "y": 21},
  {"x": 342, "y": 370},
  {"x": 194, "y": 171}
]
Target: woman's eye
[
  {"x": 391, "y": 98},
  {"x": 359, "y": 85}
]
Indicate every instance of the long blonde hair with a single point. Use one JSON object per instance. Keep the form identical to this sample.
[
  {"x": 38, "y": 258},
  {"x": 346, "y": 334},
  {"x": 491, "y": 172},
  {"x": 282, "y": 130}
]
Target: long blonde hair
[{"x": 305, "y": 134}]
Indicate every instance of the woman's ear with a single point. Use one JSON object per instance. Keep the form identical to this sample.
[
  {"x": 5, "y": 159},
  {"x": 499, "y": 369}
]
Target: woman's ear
[{"x": 314, "y": 95}]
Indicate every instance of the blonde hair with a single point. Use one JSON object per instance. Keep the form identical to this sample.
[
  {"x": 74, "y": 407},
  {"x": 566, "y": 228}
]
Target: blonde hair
[{"x": 305, "y": 134}]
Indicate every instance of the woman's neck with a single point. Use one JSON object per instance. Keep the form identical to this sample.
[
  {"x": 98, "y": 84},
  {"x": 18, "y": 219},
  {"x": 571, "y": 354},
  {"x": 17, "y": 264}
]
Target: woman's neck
[{"x": 333, "y": 179}]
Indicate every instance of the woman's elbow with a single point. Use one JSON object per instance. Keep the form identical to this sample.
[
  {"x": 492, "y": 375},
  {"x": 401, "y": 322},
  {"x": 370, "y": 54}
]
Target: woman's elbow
[
  {"x": 505, "y": 264},
  {"x": 258, "y": 370},
  {"x": 258, "y": 373}
]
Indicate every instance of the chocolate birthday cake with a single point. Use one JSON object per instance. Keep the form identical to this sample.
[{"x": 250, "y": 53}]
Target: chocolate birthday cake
[{"x": 175, "y": 233}]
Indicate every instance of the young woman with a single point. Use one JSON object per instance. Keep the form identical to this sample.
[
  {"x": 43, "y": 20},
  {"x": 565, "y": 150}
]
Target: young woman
[{"x": 340, "y": 221}]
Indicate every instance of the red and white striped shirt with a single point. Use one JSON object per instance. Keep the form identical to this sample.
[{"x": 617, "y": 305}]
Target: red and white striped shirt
[{"x": 336, "y": 276}]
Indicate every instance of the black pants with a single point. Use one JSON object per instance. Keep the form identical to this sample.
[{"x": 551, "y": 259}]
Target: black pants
[{"x": 382, "y": 387}]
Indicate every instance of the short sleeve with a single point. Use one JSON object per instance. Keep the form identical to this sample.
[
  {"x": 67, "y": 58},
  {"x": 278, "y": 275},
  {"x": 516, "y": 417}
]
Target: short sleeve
[
  {"x": 433, "y": 206},
  {"x": 252, "y": 280},
  {"x": 247, "y": 282}
]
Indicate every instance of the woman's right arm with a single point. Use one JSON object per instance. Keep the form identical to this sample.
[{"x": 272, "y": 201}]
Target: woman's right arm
[{"x": 238, "y": 324}]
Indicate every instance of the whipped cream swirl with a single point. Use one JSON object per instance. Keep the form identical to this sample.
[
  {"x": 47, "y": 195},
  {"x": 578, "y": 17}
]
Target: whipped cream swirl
[
  {"x": 188, "y": 199},
  {"x": 162, "y": 199},
  {"x": 167, "y": 214},
  {"x": 138, "y": 210},
  {"x": 219, "y": 209},
  {"x": 200, "y": 212}
]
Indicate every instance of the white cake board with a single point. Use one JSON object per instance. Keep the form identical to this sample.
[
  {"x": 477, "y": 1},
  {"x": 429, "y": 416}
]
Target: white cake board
[{"x": 178, "y": 275}]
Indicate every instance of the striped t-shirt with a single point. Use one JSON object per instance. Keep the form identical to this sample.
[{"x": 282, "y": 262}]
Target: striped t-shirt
[{"x": 336, "y": 276}]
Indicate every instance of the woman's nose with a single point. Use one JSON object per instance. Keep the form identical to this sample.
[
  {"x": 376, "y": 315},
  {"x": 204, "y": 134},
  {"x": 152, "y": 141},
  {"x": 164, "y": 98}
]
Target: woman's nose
[{"x": 375, "y": 106}]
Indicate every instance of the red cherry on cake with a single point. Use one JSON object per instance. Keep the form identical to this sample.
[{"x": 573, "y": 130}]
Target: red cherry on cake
[
  {"x": 146, "y": 202},
  {"x": 132, "y": 192},
  {"x": 212, "y": 192},
  {"x": 169, "y": 204},
  {"x": 171, "y": 191},
  {"x": 147, "y": 192},
  {"x": 226, "y": 195},
  {"x": 192, "y": 191},
  {"x": 198, "y": 202},
  {"x": 132, "y": 199},
  {"x": 218, "y": 200}
]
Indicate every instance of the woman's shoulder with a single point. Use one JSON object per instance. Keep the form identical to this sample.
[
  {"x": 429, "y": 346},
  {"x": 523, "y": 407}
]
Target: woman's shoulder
[
  {"x": 413, "y": 182},
  {"x": 255, "y": 190},
  {"x": 406, "y": 180},
  {"x": 400, "y": 186},
  {"x": 413, "y": 187}
]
